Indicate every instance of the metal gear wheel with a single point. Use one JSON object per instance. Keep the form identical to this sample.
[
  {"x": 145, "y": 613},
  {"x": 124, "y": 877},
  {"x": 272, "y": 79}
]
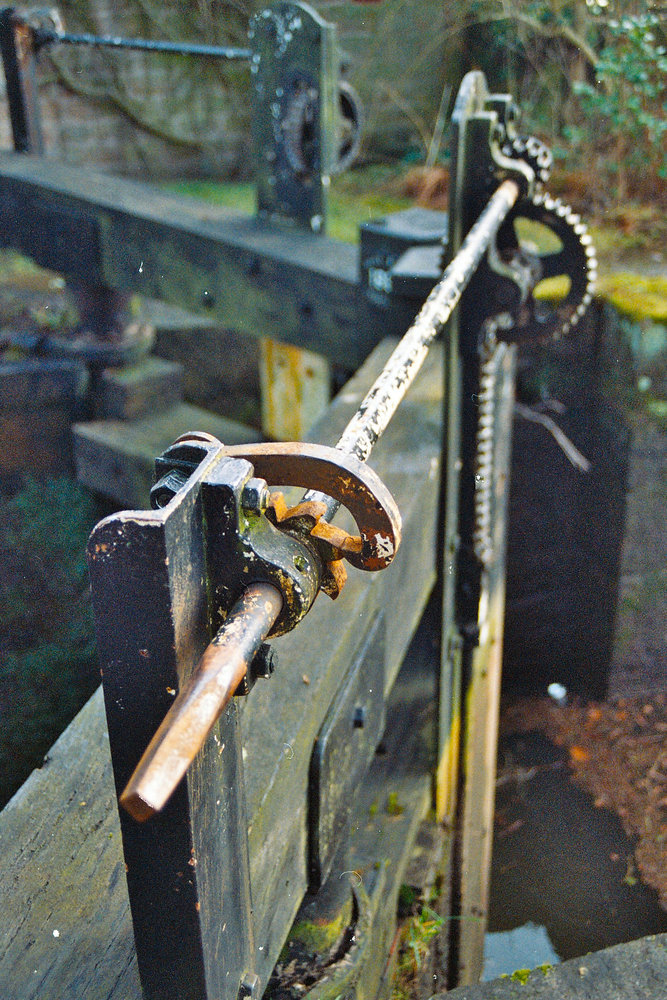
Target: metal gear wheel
[
  {"x": 537, "y": 155},
  {"x": 299, "y": 124},
  {"x": 518, "y": 258}
]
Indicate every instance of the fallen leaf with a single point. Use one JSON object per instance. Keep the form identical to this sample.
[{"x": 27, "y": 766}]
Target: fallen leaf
[
  {"x": 512, "y": 828},
  {"x": 578, "y": 755}
]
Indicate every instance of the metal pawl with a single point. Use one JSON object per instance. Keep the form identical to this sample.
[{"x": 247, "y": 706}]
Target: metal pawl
[{"x": 332, "y": 543}]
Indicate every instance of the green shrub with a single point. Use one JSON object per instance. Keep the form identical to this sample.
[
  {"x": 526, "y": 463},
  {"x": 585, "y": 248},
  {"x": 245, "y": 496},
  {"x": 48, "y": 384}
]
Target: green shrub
[
  {"x": 627, "y": 104},
  {"x": 48, "y": 659}
]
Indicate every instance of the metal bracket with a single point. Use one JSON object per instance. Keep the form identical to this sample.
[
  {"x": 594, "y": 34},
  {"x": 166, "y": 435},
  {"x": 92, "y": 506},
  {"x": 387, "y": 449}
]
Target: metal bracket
[
  {"x": 243, "y": 546},
  {"x": 295, "y": 112},
  {"x": 187, "y": 867}
]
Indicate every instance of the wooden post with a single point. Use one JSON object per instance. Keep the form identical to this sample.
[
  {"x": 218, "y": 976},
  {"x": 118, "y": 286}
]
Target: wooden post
[{"x": 296, "y": 389}]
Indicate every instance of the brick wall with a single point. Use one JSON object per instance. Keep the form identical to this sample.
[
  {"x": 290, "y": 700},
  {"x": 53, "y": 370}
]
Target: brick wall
[{"x": 195, "y": 113}]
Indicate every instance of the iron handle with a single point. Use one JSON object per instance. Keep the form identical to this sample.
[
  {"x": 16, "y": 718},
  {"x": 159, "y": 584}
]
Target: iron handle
[{"x": 201, "y": 701}]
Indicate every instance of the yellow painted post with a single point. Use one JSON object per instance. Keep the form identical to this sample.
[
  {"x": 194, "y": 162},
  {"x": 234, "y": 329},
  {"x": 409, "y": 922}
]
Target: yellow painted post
[{"x": 296, "y": 389}]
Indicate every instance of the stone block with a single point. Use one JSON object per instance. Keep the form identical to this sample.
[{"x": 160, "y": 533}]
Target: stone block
[
  {"x": 152, "y": 386},
  {"x": 116, "y": 457},
  {"x": 39, "y": 401}
]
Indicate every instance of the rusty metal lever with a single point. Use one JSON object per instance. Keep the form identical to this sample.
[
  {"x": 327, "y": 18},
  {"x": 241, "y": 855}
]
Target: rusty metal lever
[
  {"x": 342, "y": 477},
  {"x": 200, "y": 702}
]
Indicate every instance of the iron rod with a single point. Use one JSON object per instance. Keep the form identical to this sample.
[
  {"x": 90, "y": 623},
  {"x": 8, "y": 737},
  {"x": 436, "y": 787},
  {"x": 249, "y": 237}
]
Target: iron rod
[
  {"x": 141, "y": 45},
  {"x": 201, "y": 700},
  {"x": 382, "y": 399}
]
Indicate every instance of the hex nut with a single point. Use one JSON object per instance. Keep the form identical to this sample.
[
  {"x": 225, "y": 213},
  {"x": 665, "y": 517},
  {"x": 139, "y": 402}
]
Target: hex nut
[
  {"x": 255, "y": 496},
  {"x": 249, "y": 988}
]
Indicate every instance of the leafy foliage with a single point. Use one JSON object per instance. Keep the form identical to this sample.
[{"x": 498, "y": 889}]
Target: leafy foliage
[
  {"x": 627, "y": 103},
  {"x": 416, "y": 940},
  {"x": 47, "y": 664}
]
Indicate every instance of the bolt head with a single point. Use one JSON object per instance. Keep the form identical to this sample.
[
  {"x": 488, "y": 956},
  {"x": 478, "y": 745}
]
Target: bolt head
[
  {"x": 359, "y": 718},
  {"x": 255, "y": 496},
  {"x": 249, "y": 988}
]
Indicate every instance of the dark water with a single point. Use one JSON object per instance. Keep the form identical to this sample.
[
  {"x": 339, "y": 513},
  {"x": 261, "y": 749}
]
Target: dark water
[{"x": 559, "y": 863}]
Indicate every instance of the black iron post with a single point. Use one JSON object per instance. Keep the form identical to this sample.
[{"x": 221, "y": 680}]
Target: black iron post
[
  {"x": 294, "y": 88},
  {"x": 187, "y": 867}
]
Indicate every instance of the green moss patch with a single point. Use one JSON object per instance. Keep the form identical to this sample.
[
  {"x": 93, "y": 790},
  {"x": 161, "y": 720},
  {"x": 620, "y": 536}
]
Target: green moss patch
[
  {"x": 351, "y": 201},
  {"x": 634, "y": 296},
  {"x": 319, "y": 937}
]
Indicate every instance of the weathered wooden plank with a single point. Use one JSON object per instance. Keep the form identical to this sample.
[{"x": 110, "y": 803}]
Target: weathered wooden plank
[
  {"x": 481, "y": 695},
  {"x": 388, "y": 808},
  {"x": 280, "y": 727},
  {"x": 73, "y": 870},
  {"x": 625, "y": 972},
  {"x": 66, "y": 926},
  {"x": 296, "y": 287}
]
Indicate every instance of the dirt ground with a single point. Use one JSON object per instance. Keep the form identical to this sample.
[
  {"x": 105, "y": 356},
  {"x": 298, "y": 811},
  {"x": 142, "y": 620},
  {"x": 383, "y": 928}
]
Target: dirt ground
[{"x": 618, "y": 753}]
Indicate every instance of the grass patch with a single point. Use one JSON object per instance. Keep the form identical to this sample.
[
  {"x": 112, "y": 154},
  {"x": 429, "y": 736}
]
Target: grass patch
[
  {"x": 354, "y": 198},
  {"x": 48, "y": 666}
]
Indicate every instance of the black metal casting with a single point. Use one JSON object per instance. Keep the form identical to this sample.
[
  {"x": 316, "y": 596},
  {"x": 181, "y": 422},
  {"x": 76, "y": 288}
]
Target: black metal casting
[
  {"x": 295, "y": 112},
  {"x": 187, "y": 869}
]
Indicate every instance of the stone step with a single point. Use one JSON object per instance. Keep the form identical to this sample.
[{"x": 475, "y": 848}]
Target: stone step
[
  {"x": 151, "y": 386},
  {"x": 116, "y": 457}
]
